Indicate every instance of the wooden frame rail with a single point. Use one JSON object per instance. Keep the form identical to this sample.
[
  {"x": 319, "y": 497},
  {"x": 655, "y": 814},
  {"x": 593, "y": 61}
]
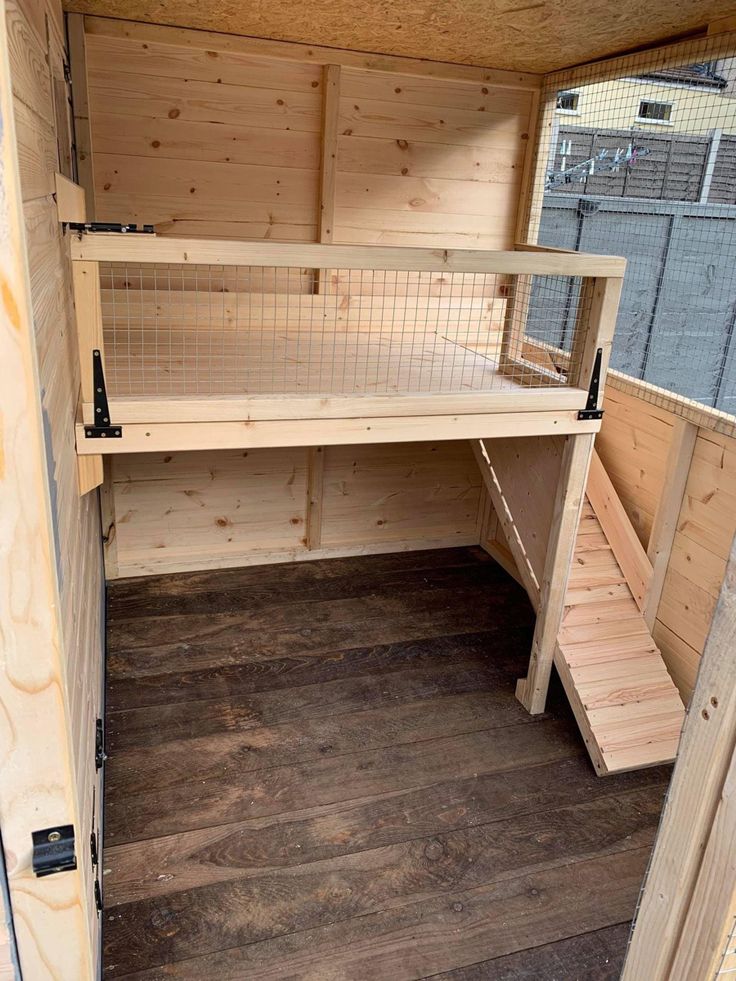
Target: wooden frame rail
[{"x": 528, "y": 403}]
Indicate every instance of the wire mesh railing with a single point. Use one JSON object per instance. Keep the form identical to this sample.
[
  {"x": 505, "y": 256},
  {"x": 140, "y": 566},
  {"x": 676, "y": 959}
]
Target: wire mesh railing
[{"x": 211, "y": 329}]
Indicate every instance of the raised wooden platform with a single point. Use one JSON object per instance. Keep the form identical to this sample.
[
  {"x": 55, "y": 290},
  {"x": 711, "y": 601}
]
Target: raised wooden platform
[{"x": 321, "y": 770}]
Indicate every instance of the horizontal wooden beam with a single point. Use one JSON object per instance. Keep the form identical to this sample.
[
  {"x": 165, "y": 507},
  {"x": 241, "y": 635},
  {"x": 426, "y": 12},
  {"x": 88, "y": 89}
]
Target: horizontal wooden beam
[
  {"x": 271, "y": 407},
  {"x": 114, "y": 247},
  {"x": 158, "y": 437}
]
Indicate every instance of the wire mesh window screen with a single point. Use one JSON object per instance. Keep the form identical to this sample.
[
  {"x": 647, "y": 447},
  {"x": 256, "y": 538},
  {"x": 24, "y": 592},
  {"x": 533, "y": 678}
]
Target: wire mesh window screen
[
  {"x": 645, "y": 167},
  {"x": 244, "y": 330}
]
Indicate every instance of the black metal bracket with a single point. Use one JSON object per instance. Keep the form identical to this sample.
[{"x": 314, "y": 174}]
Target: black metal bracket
[
  {"x": 53, "y": 850},
  {"x": 110, "y": 226},
  {"x": 100, "y": 754},
  {"x": 591, "y": 410},
  {"x": 101, "y": 428}
]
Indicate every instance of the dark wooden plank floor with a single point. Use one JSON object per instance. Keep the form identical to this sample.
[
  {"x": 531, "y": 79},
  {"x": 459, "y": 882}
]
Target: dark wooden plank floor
[{"x": 320, "y": 771}]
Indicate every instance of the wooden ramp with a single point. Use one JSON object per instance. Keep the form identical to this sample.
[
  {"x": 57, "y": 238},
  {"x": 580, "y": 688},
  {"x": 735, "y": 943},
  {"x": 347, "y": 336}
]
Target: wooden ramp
[{"x": 627, "y": 707}]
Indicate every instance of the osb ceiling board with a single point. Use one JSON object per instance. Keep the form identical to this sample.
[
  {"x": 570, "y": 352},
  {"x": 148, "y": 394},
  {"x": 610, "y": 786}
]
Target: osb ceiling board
[{"x": 524, "y": 35}]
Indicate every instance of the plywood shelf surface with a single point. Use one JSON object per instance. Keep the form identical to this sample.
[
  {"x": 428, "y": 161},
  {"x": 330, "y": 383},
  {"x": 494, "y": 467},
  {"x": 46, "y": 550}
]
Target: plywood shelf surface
[{"x": 201, "y": 361}]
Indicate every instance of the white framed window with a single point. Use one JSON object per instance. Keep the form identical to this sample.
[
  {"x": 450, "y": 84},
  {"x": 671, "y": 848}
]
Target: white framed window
[
  {"x": 659, "y": 113},
  {"x": 569, "y": 103}
]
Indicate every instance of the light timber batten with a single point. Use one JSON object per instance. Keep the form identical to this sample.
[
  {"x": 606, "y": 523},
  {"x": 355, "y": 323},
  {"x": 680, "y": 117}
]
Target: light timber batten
[
  {"x": 150, "y": 437},
  {"x": 113, "y": 247}
]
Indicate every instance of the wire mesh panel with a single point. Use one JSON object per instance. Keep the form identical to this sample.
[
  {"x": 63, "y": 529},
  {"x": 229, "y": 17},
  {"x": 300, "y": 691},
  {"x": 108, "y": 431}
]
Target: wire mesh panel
[
  {"x": 640, "y": 161},
  {"x": 256, "y": 330}
]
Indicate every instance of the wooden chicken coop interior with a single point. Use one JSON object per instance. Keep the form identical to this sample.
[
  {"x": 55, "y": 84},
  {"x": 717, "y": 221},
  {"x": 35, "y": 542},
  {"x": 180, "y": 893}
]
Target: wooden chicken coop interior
[{"x": 373, "y": 601}]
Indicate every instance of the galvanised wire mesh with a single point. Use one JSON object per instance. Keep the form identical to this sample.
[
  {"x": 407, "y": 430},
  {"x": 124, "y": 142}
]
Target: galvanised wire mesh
[
  {"x": 638, "y": 158},
  {"x": 179, "y": 330}
]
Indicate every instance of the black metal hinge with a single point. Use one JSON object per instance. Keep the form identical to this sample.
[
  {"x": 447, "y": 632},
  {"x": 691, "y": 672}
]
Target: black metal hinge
[
  {"x": 98, "y": 896},
  {"x": 100, "y": 754},
  {"x": 591, "y": 410},
  {"x": 110, "y": 226},
  {"x": 93, "y": 847},
  {"x": 101, "y": 428},
  {"x": 53, "y": 850}
]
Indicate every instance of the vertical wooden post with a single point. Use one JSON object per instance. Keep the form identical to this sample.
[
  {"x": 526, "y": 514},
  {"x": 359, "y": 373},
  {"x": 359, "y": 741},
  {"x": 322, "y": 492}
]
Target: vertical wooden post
[
  {"x": 328, "y": 162},
  {"x": 532, "y": 690},
  {"x": 662, "y": 537},
  {"x": 315, "y": 478},
  {"x": 328, "y": 165},
  {"x": 88, "y": 312},
  {"x": 680, "y": 917},
  {"x": 604, "y": 299},
  {"x": 706, "y": 945},
  {"x": 109, "y": 521},
  {"x": 80, "y": 103},
  {"x": 528, "y": 222},
  {"x": 512, "y": 334}
]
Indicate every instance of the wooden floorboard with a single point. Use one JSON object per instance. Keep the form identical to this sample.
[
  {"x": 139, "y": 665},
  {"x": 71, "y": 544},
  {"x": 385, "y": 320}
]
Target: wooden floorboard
[
  {"x": 321, "y": 771},
  {"x": 596, "y": 956}
]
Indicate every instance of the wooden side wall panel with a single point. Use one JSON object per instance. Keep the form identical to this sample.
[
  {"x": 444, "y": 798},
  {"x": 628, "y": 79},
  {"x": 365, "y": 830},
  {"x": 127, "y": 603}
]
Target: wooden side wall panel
[
  {"x": 36, "y": 49},
  {"x": 634, "y": 445},
  {"x": 199, "y": 510}
]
